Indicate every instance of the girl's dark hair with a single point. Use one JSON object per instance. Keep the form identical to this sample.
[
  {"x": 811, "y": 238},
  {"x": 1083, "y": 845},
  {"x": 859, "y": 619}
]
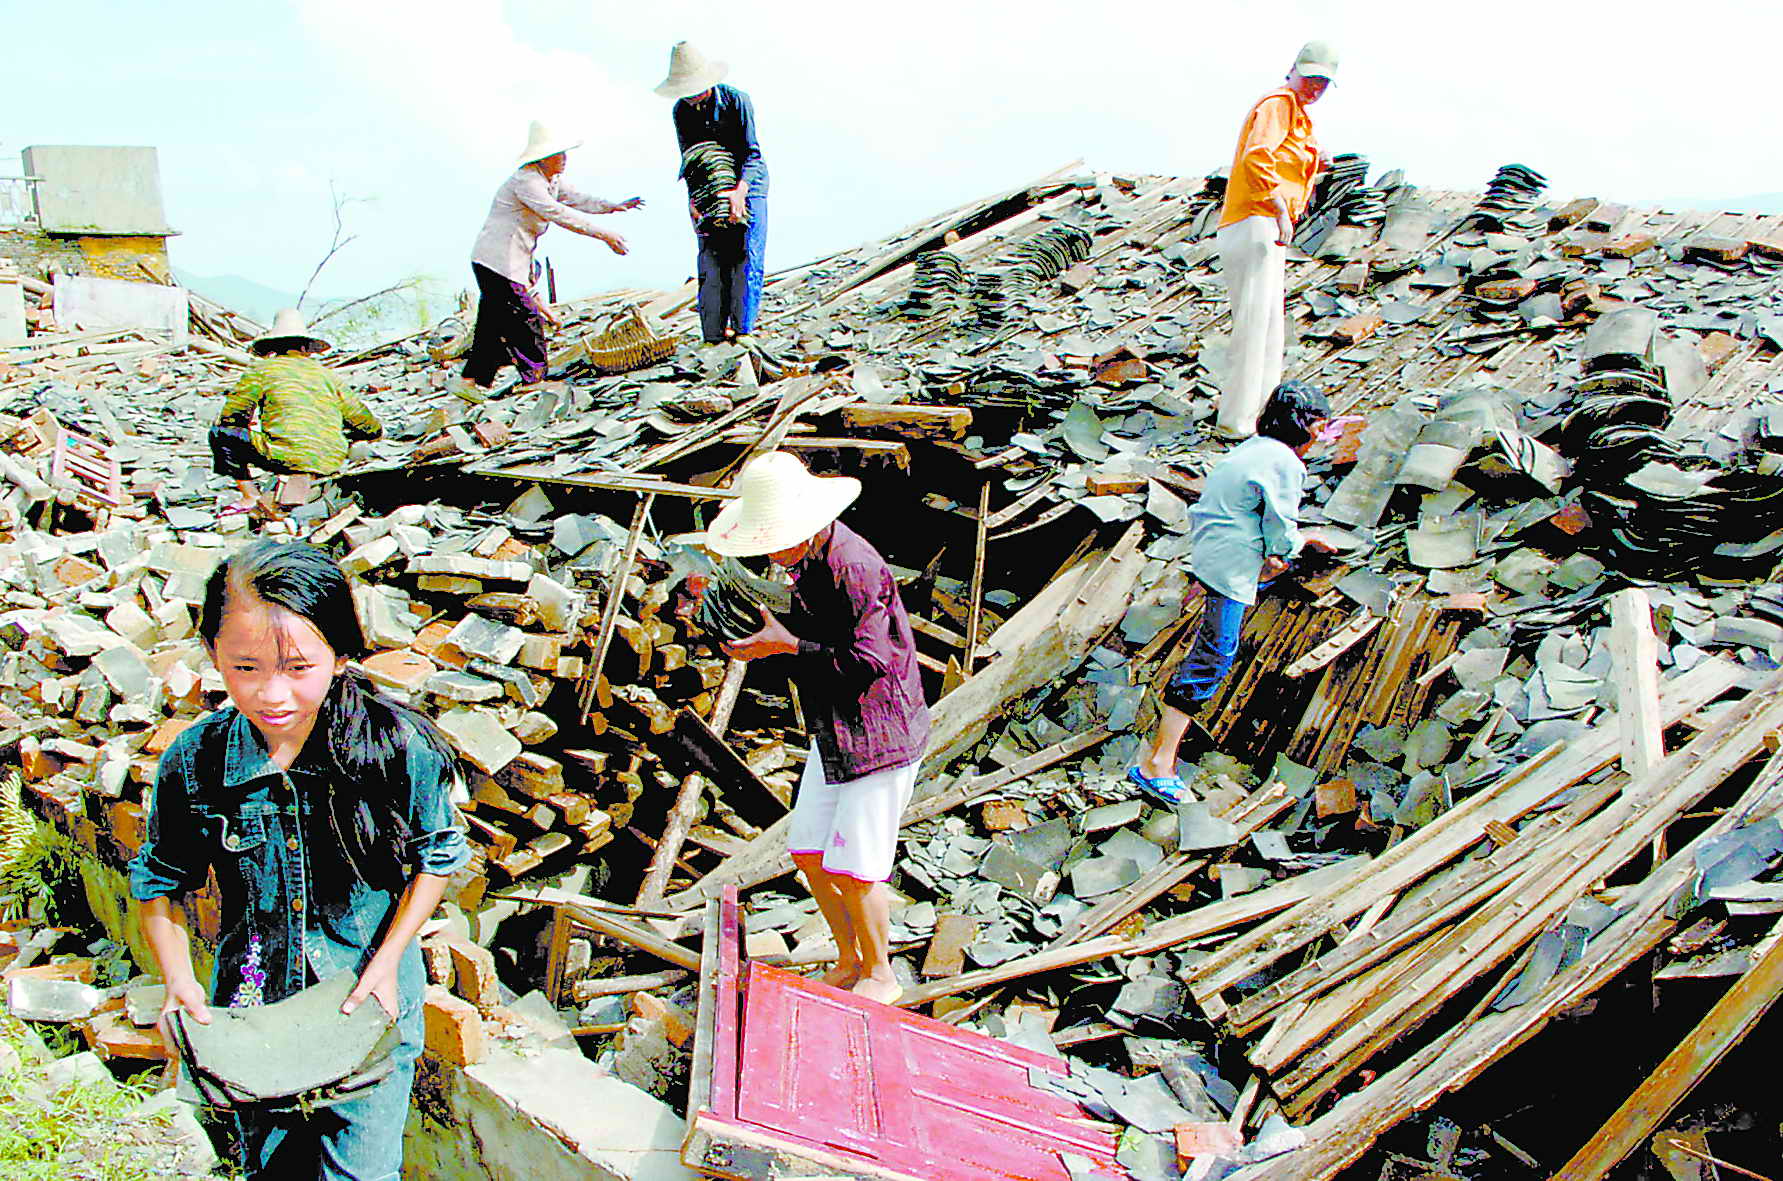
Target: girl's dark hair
[
  {"x": 1291, "y": 411},
  {"x": 366, "y": 734}
]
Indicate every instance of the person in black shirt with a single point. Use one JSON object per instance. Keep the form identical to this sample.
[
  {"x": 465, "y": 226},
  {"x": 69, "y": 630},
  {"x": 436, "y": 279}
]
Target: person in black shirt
[{"x": 731, "y": 250}]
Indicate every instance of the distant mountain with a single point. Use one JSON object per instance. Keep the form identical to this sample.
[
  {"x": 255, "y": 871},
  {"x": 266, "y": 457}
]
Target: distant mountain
[
  {"x": 363, "y": 324},
  {"x": 253, "y": 300}
]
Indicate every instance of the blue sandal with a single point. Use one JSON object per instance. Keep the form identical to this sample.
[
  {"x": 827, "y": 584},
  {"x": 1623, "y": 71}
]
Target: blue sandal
[{"x": 1165, "y": 789}]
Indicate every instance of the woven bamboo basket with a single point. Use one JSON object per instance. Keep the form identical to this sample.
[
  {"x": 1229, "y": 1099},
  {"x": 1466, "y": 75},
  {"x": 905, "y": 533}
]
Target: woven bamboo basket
[{"x": 628, "y": 342}]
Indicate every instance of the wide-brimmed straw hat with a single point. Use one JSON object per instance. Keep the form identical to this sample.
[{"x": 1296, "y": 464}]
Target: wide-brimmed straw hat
[
  {"x": 541, "y": 144},
  {"x": 289, "y": 332},
  {"x": 691, "y": 72},
  {"x": 1318, "y": 59},
  {"x": 779, "y": 504}
]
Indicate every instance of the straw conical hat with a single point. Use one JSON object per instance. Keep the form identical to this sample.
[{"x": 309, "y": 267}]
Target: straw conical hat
[
  {"x": 288, "y": 332},
  {"x": 691, "y": 72},
  {"x": 541, "y": 144},
  {"x": 779, "y": 504}
]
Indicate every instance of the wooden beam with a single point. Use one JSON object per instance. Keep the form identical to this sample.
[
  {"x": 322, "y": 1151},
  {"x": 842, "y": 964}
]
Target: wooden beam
[
  {"x": 975, "y": 606},
  {"x": 628, "y": 933},
  {"x": 1635, "y": 653},
  {"x": 539, "y": 473},
  {"x": 910, "y": 422},
  {"x": 674, "y": 835},
  {"x": 1734, "y": 1016},
  {"x": 610, "y": 613}
]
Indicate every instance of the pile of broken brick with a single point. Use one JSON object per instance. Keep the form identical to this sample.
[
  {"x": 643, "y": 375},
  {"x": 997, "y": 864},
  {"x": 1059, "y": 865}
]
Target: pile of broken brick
[{"x": 1417, "y": 727}]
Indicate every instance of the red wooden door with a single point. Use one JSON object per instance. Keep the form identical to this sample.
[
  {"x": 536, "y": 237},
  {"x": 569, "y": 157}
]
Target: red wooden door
[{"x": 901, "y": 1091}]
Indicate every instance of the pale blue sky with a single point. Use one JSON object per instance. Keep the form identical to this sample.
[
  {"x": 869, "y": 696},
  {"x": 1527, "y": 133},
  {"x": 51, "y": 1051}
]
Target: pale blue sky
[{"x": 872, "y": 116}]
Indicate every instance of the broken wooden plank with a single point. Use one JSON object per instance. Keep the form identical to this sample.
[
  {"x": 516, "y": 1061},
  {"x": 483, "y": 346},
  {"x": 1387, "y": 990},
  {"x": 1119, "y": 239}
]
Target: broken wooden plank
[
  {"x": 1734, "y": 1016},
  {"x": 1519, "y": 792},
  {"x": 975, "y": 786},
  {"x": 674, "y": 835},
  {"x": 910, "y": 422},
  {"x": 1353, "y": 631},
  {"x": 1453, "y": 1059},
  {"x": 975, "y": 604},
  {"x": 1634, "y": 651},
  {"x": 581, "y": 910}
]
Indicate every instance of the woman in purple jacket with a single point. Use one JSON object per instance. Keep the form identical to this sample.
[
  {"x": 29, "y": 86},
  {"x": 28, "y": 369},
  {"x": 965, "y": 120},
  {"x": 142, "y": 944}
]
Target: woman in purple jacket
[{"x": 855, "y": 667}]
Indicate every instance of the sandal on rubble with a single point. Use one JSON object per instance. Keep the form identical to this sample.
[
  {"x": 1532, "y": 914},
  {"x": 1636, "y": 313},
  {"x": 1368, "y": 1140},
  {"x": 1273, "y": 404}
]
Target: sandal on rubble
[{"x": 1165, "y": 789}]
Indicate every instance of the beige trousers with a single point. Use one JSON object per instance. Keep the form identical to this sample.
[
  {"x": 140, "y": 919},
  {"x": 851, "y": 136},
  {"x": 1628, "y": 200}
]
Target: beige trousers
[{"x": 1253, "y": 265}]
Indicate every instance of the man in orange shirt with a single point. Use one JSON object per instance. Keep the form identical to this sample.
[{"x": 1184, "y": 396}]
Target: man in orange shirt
[{"x": 1272, "y": 175}]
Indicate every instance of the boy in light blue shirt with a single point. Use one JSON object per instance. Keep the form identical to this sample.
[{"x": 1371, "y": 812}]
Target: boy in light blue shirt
[{"x": 1245, "y": 533}]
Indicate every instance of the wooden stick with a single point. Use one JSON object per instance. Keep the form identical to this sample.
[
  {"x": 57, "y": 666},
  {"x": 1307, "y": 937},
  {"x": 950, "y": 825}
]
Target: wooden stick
[
  {"x": 631, "y": 934},
  {"x": 610, "y": 613},
  {"x": 1734, "y": 1016},
  {"x": 969, "y": 790},
  {"x": 728, "y": 691},
  {"x": 975, "y": 614},
  {"x": 674, "y": 835},
  {"x": 587, "y": 990}
]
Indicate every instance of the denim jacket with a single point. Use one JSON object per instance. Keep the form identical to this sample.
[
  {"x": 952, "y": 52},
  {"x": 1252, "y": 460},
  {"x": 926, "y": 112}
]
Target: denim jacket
[{"x": 256, "y": 826}]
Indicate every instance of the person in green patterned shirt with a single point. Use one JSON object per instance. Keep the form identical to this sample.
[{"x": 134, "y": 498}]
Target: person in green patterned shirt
[{"x": 288, "y": 413}]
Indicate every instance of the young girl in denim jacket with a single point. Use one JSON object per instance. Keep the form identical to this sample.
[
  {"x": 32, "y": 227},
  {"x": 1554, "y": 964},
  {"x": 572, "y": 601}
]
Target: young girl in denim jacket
[{"x": 323, "y": 807}]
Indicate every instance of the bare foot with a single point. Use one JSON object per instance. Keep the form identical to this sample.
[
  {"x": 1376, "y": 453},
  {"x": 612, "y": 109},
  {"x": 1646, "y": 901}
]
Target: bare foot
[
  {"x": 884, "y": 989},
  {"x": 842, "y": 976}
]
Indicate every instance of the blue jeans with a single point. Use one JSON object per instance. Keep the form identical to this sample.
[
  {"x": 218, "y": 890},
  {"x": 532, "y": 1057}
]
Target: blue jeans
[
  {"x": 731, "y": 270},
  {"x": 1210, "y": 658}
]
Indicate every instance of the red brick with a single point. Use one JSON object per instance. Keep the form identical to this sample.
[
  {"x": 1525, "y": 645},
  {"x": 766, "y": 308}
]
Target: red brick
[
  {"x": 1205, "y": 1139},
  {"x": 34, "y": 764},
  {"x": 1113, "y": 483},
  {"x": 165, "y": 733},
  {"x": 1716, "y": 348},
  {"x": 1335, "y": 798},
  {"x": 1716, "y": 249},
  {"x": 455, "y": 1032},
  {"x": 492, "y": 434},
  {"x": 1629, "y": 245},
  {"x": 1356, "y": 329},
  {"x": 431, "y": 642},
  {"x": 1770, "y": 245},
  {"x": 676, "y": 1022},
  {"x": 473, "y": 972},
  {"x": 1572, "y": 520},
  {"x": 74, "y": 571},
  {"x": 110, "y": 1035},
  {"x": 399, "y": 669},
  {"x": 80, "y": 971},
  {"x": 129, "y": 826}
]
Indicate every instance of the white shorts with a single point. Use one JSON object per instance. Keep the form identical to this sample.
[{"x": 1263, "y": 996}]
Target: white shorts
[{"x": 854, "y": 824}]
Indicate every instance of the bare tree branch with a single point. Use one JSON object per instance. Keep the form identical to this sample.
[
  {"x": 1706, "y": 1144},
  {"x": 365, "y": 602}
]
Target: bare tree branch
[
  {"x": 341, "y": 239},
  {"x": 405, "y": 285}
]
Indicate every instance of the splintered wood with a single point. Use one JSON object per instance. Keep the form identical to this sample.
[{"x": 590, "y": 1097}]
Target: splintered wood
[{"x": 1372, "y": 672}]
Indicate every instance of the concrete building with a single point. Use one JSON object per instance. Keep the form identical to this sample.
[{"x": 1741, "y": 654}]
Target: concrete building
[{"x": 91, "y": 211}]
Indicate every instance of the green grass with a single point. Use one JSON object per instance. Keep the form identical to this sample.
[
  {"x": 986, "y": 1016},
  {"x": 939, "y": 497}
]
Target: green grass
[{"x": 82, "y": 1132}]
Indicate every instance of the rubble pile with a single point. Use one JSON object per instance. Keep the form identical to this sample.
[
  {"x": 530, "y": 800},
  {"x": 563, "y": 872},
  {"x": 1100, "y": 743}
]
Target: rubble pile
[{"x": 1510, "y": 740}]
